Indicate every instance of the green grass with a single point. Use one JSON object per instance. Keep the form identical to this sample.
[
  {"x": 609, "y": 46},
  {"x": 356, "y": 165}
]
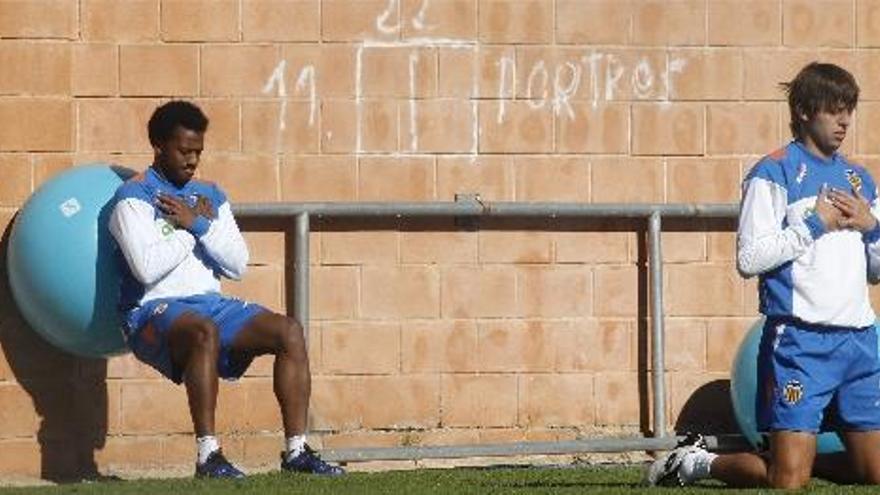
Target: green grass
[{"x": 608, "y": 479}]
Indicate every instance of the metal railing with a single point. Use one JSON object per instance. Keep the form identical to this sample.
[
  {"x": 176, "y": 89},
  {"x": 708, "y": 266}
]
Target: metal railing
[{"x": 472, "y": 208}]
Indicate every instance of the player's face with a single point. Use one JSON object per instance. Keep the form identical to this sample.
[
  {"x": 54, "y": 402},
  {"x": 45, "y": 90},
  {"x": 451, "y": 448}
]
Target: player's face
[
  {"x": 827, "y": 129},
  {"x": 178, "y": 157}
]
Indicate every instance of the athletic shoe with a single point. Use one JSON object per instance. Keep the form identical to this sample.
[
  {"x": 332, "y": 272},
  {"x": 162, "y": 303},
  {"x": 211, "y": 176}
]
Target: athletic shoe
[
  {"x": 665, "y": 471},
  {"x": 308, "y": 461},
  {"x": 216, "y": 466}
]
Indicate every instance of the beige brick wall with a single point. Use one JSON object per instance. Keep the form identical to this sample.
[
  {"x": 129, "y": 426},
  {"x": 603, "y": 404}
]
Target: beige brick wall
[{"x": 419, "y": 336}]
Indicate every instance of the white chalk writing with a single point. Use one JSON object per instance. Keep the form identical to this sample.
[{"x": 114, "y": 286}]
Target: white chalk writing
[{"x": 553, "y": 85}]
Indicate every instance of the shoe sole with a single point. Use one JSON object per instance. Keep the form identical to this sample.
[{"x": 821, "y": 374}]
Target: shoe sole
[
  {"x": 672, "y": 462},
  {"x": 665, "y": 472}
]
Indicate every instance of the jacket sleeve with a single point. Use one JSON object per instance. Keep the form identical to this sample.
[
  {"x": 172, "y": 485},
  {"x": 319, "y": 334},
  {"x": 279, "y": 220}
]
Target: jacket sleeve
[
  {"x": 223, "y": 242},
  {"x": 762, "y": 242},
  {"x": 149, "y": 255}
]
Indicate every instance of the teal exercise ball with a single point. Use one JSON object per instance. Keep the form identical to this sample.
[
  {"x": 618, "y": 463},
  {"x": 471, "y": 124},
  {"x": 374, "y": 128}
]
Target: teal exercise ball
[
  {"x": 743, "y": 393},
  {"x": 62, "y": 262}
]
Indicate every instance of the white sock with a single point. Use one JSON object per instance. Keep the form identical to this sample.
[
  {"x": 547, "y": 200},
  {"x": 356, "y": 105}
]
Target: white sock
[
  {"x": 294, "y": 446},
  {"x": 696, "y": 465},
  {"x": 206, "y": 445}
]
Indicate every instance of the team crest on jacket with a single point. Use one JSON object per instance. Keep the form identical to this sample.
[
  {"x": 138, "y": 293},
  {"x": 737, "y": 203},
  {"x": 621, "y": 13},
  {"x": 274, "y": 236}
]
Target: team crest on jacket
[
  {"x": 793, "y": 392},
  {"x": 854, "y": 179}
]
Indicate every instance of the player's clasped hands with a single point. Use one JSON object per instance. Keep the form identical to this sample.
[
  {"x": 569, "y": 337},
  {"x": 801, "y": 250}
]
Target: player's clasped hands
[
  {"x": 204, "y": 207},
  {"x": 180, "y": 214},
  {"x": 839, "y": 209},
  {"x": 856, "y": 212}
]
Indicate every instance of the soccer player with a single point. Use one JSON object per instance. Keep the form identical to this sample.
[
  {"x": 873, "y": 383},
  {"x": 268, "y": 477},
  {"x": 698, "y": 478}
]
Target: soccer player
[
  {"x": 808, "y": 228},
  {"x": 178, "y": 237}
]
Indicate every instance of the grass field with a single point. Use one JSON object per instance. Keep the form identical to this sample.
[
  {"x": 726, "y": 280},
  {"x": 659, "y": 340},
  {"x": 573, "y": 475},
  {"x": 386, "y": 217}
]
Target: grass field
[{"x": 518, "y": 480}]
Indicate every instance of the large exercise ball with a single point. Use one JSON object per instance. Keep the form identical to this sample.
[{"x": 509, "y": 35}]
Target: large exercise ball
[
  {"x": 743, "y": 389},
  {"x": 62, "y": 264}
]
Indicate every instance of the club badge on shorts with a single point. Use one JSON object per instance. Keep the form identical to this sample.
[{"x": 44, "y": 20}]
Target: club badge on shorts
[{"x": 793, "y": 392}]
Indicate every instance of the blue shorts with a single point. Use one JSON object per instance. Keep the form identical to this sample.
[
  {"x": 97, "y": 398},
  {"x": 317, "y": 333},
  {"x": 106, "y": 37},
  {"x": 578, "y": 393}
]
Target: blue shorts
[
  {"x": 804, "y": 368},
  {"x": 147, "y": 327}
]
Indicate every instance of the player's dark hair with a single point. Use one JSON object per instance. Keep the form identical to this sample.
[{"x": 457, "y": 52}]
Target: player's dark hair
[
  {"x": 172, "y": 114},
  {"x": 819, "y": 87}
]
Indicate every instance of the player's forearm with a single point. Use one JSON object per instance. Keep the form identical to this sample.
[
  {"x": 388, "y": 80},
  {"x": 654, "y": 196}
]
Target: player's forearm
[
  {"x": 755, "y": 256},
  {"x": 763, "y": 242},
  {"x": 225, "y": 245},
  {"x": 150, "y": 256},
  {"x": 231, "y": 257},
  {"x": 155, "y": 261}
]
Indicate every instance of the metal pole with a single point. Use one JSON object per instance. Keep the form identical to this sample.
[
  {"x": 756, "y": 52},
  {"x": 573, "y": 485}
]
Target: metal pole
[
  {"x": 474, "y": 208},
  {"x": 657, "y": 331},
  {"x": 723, "y": 443},
  {"x": 562, "y": 447},
  {"x": 301, "y": 272}
]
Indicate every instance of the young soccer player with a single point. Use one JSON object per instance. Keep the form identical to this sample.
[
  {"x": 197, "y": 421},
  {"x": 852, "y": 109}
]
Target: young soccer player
[
  {"x": 178, "y": 237},
  {"x": 808, "y": 228}
]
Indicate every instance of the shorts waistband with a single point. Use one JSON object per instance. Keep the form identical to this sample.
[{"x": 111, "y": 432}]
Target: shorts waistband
[{"x": 813, "y": 327}]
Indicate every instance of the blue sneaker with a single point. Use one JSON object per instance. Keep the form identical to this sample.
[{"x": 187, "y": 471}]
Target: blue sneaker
[
  {"x": 308, "y": 461},
  {"x": 216, "y": 466}
]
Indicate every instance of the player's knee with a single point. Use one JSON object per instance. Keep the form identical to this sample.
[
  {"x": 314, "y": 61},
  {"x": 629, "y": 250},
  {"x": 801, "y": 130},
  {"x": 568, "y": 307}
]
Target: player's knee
[
  {"x": 288, "y": 338},
  {"x": 788, "y": 478},
  {"x": 192, "y": 340},
  {"x": 204, "y": 335},
  {"x": 872, "y": 476},
  {"x": 292, "y": 335}
]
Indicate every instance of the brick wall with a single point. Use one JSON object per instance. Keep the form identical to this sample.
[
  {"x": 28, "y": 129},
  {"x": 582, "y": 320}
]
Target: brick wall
[{"x": 419, "y": 335}]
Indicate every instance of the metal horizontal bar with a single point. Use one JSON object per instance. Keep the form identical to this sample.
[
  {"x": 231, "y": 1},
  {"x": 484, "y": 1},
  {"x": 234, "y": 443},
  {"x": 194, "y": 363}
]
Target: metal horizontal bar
[
  {"x": 593, "y": 445},
  {"x": 474, "y": 208}
]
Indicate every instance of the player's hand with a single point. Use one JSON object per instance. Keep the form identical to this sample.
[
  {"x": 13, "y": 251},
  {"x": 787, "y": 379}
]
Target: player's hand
[
  {"x": 828, "y": 212},
  {"x": 176, "y": 211},
  {"x": 856, "y": 211},
  {"x": 205, "y": 207}
]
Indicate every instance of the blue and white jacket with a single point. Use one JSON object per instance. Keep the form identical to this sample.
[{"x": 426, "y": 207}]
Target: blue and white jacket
[
  {"x": 162, "y": 261},
  {"x": 807, "y": 273}
]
